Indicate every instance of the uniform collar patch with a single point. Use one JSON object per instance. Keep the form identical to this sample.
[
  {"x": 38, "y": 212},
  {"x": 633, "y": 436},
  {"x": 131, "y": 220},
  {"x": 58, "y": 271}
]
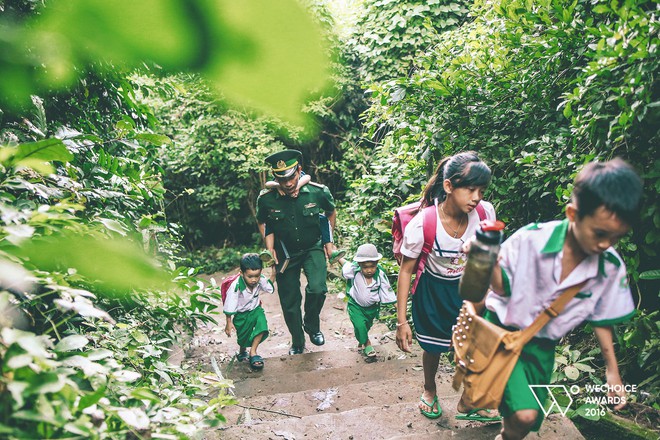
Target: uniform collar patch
[{"x": 556, "y": 241}]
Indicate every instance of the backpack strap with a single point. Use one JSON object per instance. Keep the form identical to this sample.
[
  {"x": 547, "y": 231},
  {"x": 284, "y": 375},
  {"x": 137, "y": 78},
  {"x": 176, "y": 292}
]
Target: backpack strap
[
  {"x": 550, "y": 312},
  {"x": 481, "y": 211},
  {"x": 429, "y": 225}
]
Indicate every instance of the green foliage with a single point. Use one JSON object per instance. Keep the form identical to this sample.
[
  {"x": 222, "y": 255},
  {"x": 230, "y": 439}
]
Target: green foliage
[
  {"x": 91, "y": 359},
  {"x": 214, "y": 168},
  {"x": 211, "y": 260},
  {"x": 499, "y": 85},
  {"x": 639, "y": 352},
  {"x": 570, "y": 366},
  {"x": 215, "y": 204},
  {"x": 393, "y": 33},
  {"x": 239, "y": 48}
]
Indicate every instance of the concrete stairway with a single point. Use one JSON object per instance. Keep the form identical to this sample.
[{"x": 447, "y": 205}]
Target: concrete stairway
[{"x": 331, "y": 392}]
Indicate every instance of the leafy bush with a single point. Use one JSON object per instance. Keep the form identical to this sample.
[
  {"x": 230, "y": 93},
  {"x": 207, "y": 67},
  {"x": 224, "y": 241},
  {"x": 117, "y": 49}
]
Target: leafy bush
[
  {"x": 499, "y": 85},
  {"x": 85, "y": 336},
  {"x": 211, "y": 260}
]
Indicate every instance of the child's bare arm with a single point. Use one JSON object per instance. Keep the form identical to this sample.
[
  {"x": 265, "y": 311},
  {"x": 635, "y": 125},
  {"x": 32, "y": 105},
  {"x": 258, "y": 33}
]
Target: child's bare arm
[
  {"x": 605, "y": 338},
  {"x": 229, "y": 325},
  {"x": 301, "y": 182}
]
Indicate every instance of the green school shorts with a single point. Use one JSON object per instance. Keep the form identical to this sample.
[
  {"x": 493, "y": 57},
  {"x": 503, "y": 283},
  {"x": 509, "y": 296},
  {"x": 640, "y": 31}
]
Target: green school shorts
[
  {"x": 362, "y": 319},
  {"x": 249, "y": 325},
  {"x": 534, "y": 367}
]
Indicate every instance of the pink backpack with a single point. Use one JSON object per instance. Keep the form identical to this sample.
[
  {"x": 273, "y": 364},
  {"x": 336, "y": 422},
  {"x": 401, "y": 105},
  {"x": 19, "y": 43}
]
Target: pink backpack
[
  {"x": 402, "y": 217},
  {"x": 224, "y": 286}
]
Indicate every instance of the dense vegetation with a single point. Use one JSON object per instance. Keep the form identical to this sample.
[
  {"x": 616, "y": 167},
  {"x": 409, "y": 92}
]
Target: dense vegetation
[{"x": 106, "y": 155}]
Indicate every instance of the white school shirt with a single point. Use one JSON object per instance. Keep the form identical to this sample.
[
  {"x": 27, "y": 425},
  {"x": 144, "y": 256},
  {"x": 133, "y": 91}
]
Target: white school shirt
[
  {"x": 531, "y": 269},
  {"x": 368, "y": 294},
  {"x": 241, "y": 299},
  {"x": 446, "y": 260}
]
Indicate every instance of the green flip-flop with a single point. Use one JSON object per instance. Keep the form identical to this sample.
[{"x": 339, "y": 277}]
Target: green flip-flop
[
  {"x": 267, "y": 258},
  {"x": 369, "y": 351},
  {"x": 474, "y": 416},
  {"x": 431, "y": 414},
  {"x": 336, "y": 255}
]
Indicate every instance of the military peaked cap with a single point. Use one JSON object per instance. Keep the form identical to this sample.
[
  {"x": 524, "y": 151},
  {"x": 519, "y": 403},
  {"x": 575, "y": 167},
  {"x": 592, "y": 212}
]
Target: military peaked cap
[{"x": 284, "y": 163}]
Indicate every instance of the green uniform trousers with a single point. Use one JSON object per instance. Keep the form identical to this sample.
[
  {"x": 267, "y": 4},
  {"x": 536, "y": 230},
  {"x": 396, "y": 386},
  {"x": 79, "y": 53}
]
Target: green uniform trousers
[
  {"x": 312, "y": 262},
  {"x": 534, "y": 367},
  {"x": 250, "y": 324},
  {"x": 362, "y": 319}
]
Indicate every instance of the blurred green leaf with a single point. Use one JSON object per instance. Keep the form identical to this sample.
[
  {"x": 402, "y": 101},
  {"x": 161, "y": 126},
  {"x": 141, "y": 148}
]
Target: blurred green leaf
[
  {"x": 277, "y": 63},
  {"x": 70, "y": 343},
  {"x": 156, "y": 139},
  {"x": 44, "y": 151},
  {"x": 571, "y": 372},
  {"x": 117, "y": 264},
  {"x": 269, "y": 55},
  {"x": 650, "y": 275}
]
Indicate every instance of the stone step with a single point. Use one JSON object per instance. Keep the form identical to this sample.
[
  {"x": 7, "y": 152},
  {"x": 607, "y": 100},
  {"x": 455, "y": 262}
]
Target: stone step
[
  {"x": 555, "y": 427},
  {"x": 322, "y": 370},
  {"x": 400, "y": 421},
  {"x": 338, "y": 398}
]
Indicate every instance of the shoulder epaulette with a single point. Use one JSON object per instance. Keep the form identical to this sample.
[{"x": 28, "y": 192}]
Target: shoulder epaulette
[
  {"x": 266, "y": 191},
  {"x": 532, "y": 227},
  {"x": 319, "y": 185}
]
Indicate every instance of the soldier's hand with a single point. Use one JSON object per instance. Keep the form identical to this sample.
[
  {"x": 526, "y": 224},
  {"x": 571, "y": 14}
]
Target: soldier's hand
[{"x": 274, "y": 254}]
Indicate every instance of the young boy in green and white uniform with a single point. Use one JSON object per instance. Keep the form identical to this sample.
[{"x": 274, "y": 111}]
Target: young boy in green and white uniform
[
  {"x": 540, "y": 261},
  {"x": 243, "y": 310},
  {"x": 367, "y": 287}
]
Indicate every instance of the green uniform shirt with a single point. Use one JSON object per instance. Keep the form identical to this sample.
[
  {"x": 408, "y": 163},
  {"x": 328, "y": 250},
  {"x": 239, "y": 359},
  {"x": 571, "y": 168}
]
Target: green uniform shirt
[{"x": 295, "y": 221}]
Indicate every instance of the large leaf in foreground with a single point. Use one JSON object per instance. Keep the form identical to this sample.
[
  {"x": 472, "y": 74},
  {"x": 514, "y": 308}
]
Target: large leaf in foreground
[
  {"x": 116, "y": 264},
  {"x": 269, "y": 55}
]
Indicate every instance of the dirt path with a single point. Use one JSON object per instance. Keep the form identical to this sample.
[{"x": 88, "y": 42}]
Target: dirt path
[{"x": 331, "y": 392}]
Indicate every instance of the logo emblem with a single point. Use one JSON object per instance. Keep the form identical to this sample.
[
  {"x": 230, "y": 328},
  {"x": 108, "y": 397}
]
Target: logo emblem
[
  {"x": 552, "y": 397},
  {"x": 281, "y": 164}
]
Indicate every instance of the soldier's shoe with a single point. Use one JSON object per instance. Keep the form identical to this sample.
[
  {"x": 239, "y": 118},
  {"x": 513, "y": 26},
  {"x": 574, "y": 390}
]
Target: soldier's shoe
[
  {"x": 267, "y": 258},
  {"x": 336, "y": 255},
  {"x": 296, "y": 350},
  {"x": 317, "y": 338}
]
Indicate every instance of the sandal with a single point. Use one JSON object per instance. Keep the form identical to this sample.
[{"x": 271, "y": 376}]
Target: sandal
[
  {"x": 473, "y": 415},
  {"x": 242, "y": 355},
  {"x": 431, "y": 414},
  {"x": 256, "y": 362},
  {"x": 336, "y": 255},
  {"x": 267, "y": 258},
  {"x": 369, "y": 351}
]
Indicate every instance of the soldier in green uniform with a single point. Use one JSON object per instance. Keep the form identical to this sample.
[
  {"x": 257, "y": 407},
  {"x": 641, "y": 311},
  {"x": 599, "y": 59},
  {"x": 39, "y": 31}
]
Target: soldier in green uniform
[{"x": 292, "y": 214}]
